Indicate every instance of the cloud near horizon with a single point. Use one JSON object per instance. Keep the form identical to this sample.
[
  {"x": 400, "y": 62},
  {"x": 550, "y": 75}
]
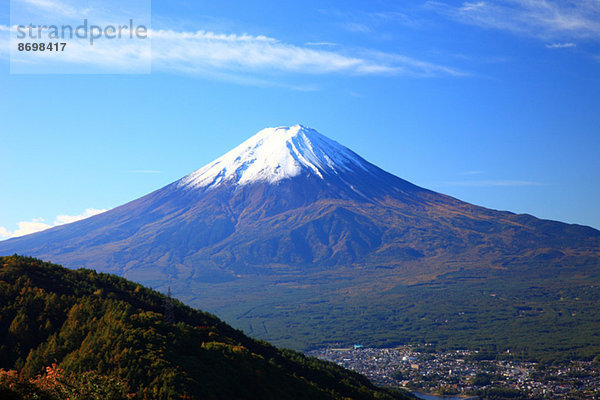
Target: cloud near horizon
[{"x": 38, "y": 224}]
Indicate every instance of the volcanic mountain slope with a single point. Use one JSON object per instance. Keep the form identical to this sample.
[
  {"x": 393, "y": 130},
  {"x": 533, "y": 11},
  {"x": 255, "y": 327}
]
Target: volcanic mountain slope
[{"x": 290, "y": 209}]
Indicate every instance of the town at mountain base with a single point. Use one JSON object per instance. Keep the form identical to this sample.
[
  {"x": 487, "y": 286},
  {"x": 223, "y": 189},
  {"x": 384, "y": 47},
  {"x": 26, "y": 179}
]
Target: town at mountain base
[{"x": 68, "y": 334}]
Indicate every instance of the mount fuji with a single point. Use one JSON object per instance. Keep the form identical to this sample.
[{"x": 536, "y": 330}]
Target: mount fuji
[{"x": 291, "y": 223}]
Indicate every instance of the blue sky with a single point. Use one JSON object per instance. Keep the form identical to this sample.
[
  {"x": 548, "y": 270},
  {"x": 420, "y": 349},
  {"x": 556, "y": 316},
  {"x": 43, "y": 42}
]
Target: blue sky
[{"x": 494, "y": 102}]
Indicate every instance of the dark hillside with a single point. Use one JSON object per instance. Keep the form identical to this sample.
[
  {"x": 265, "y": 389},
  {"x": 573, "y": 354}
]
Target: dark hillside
[{"x": 108, "y": 333}]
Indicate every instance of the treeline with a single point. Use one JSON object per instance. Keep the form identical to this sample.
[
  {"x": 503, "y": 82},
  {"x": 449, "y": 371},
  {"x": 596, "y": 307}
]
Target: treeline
[{"x": 91, "y": 330}]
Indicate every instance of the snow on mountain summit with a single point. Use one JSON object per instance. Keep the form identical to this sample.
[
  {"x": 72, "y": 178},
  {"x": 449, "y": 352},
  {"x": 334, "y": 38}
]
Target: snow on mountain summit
[{"x": 274, "y": 154}]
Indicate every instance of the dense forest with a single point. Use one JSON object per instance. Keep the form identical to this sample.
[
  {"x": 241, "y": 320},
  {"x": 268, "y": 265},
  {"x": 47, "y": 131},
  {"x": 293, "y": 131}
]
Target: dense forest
[
  {"x": 87, "y": 335},
  {"x": 545, "y": 318}
]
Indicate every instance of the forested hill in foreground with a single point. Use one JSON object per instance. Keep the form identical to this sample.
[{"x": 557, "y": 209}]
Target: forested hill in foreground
[{"x": 82, "y": 334}]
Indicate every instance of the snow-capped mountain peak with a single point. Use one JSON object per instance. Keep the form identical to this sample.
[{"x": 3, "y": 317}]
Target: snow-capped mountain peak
[{"x": 274, "y": 154}]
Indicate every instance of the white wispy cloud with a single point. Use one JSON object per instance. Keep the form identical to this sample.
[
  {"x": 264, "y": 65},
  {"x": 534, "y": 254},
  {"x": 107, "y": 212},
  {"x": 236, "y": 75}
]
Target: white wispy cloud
[
  {"x": 356, "y": 27},
  {"x": 38, "y": 224},
  {"x": 244, "y": 57},
  {"x": 405, "y": 65},
  {"x": 237, "y": 57},
  {"x": 560, "y": 45},
  {"x": 492, "y": 183},
  {"x": 143, "y": 171},
  {"x": 374, "y": 23},
  {"x": 198, "y": 51},
  {"x": 54, "y": 8},
  {"x": 201, "y": 51},
  {"x": 326, "y": 44},
  {"x": 545, "y": 19}
]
